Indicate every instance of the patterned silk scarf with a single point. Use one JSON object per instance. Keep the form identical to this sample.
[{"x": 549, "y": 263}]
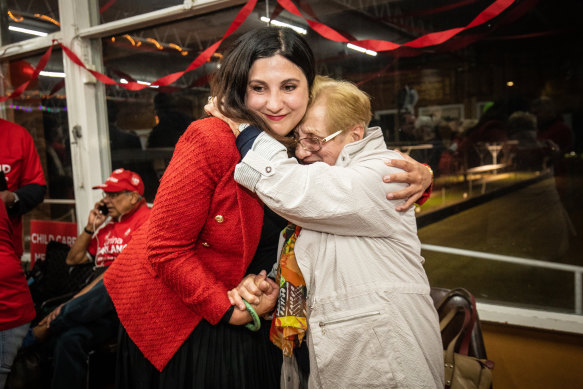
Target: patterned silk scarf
[{"x": 289, "y": 324}]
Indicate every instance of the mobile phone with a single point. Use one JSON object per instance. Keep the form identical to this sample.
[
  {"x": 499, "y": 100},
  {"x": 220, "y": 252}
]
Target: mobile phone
[{"x": 103, "y": 209}]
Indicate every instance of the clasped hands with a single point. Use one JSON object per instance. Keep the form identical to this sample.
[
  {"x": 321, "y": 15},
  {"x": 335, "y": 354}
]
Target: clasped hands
[{"x": 259, "y": 291}]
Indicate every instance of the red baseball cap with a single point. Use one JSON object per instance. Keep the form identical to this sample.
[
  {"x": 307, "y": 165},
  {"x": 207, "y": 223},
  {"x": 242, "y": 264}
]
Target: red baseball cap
[{"x": 121, "y": 180}]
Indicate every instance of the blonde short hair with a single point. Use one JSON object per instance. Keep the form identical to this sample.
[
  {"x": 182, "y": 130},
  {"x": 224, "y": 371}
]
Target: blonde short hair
[{"x": 346, "y": 105}]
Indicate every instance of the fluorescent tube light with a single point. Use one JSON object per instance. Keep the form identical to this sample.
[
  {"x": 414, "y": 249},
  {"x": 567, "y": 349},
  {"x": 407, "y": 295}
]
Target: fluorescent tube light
[
  {"x": 275, "y": 22},
  {"x": 52, "y": 74},
  {"x": 27, "y": 31},
  {"x": 147, "y": 83},
  {"x": 124, "y": 81},
  {"x": 361, "y": 49}
]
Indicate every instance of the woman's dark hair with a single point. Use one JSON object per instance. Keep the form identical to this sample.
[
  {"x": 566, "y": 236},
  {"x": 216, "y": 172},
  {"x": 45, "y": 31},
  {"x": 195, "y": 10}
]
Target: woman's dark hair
[{"x": 229, "y": 84}]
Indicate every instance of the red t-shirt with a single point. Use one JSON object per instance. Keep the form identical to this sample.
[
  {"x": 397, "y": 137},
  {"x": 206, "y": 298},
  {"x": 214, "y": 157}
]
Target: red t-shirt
[
  {"x": 16, "y": 306},
  {"x": 114, "y": 236},
  {"x": 21, "y": 165}
]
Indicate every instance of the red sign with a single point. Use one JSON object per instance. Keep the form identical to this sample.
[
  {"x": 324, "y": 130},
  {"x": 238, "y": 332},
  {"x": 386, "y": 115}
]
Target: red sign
[{"x": 43, "y": 231}]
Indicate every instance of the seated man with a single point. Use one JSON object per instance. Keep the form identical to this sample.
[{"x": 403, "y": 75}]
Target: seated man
[
  {"x": 89, "y": 319},
  {"x": 123, "y": 203}
]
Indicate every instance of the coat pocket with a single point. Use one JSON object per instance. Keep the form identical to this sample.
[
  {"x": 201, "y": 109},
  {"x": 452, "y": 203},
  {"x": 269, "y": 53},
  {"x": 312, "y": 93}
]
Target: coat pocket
[{"x": 348, "y": 353}]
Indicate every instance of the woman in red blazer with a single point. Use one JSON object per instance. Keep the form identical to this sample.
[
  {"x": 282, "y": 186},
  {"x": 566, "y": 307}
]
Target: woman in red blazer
[{"x": 170, "y": 284}]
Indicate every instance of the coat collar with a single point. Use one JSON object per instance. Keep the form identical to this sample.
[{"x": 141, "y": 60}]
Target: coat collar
[{"x": 373, "y": 139}]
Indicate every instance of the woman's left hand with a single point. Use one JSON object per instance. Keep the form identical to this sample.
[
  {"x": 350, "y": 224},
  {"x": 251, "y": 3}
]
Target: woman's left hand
[
  {"x": 212, "y": 109},
  {"x": 417, "y": 175},
  {"x": 261, "y": 292},
  {"x": 251, "y": 288}
]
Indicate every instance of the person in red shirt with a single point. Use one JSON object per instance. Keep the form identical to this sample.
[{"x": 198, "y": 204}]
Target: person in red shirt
[
  {"x": 16, "y": 306},
  {"x": 25, "y": 181},
  {"x": 126, "y": 208}
]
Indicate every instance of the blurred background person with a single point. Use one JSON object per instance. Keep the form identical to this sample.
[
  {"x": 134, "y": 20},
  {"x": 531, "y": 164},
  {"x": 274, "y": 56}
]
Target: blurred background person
[
  {"x": 126, "y": 152},
  {"x": 551, "y": 125},
  {"x": 171, "y": 122},
  {"x": 25, "y": 180},
  {"x": 530, "y": 153},
  {"x": 16, "y": 306}
]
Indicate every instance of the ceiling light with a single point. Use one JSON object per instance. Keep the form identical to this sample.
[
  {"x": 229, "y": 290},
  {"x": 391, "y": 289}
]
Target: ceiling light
[
  {"x": 361, "y": 49},
  {"x": 124, "y": 81},
  {"x": 52, "y": 74},
  {"x": 27, "y": 31},
  {"x": 147, "y": 83},
  {"x": 297, "y": 29}
]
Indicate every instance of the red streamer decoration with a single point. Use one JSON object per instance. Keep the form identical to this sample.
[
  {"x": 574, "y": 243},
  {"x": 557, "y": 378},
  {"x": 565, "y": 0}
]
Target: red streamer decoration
[
  {"x": 426, "y": 40},
  {"x": 39, "y": 67},
  {"x": 170, "y": 78},
  {"x": 431, "y": 39}
]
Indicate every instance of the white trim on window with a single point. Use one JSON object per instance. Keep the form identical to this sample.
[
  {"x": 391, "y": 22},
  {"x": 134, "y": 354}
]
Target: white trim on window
[{"x": 547, "y": 320}]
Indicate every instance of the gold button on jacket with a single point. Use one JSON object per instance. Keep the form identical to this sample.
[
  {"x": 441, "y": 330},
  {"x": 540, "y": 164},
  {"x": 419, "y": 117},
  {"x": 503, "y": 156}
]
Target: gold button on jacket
[{"x": 219, "y": 218}]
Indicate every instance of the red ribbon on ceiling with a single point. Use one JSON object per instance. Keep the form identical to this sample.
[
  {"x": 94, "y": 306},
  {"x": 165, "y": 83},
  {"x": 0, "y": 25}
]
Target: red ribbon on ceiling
[
  {"x": 170, "y": 78},
  {"x": 133, "y": 85},
  {"x": 430, "y": 39}
]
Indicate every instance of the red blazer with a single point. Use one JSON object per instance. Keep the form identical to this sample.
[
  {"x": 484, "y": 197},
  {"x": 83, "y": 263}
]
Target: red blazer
[{"x": 201, "y": 236}]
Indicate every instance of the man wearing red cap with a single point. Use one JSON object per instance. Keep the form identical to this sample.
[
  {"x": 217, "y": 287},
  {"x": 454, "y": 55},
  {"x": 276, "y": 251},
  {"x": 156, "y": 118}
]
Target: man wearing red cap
[
  {"x": 127, "y": 210},
  {"x": 89, "y": 318}
]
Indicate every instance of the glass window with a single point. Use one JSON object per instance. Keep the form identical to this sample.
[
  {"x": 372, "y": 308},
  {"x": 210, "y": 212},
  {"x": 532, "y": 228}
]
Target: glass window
[
  {"x": 494, "y": 110},
  {"x": 42, "y": 110},
  {"x": 111, "y": 10},
  {"x": 144, "y": 126},
  {"x": 29, "y": 19}
]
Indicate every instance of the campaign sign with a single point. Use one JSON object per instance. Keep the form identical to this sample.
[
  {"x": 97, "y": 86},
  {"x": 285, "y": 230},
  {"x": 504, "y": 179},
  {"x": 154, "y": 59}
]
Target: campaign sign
[{"x": 43, "y": 231}]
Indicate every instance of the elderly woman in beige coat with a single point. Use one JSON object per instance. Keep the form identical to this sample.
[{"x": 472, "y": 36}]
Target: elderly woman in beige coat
[{"x": 371, "y": 319}]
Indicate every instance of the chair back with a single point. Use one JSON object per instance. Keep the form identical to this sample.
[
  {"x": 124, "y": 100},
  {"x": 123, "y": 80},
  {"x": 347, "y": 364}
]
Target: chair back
[{"x": 459, "y": 299}]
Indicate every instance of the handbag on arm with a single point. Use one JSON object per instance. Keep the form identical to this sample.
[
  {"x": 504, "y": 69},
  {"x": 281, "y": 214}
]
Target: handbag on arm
[{"x": 463, "y": 371}]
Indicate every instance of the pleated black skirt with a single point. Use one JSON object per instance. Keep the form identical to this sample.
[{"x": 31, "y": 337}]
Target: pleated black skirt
[{"x": 221, "y": 356}]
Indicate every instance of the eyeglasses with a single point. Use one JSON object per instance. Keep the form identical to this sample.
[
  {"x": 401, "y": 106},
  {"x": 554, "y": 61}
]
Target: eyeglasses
[
  {"x": 314, "y": 143},
  {"x": 113, "y": 195}
]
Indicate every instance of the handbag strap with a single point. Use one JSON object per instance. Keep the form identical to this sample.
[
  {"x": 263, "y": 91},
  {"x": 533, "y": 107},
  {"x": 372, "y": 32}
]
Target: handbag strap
[
  {"x": 449, "y": 361},
  {"x": 467, "y": 326}
]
